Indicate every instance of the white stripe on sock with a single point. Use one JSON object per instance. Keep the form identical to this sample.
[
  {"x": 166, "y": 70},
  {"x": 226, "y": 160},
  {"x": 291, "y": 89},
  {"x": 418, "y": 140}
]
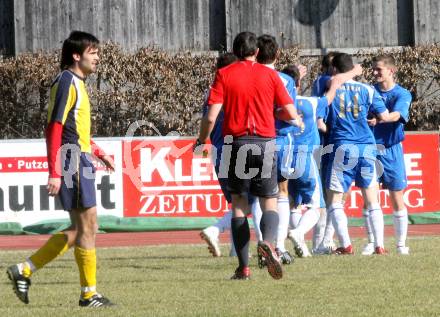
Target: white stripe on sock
[{"x": 87, "y": 289}]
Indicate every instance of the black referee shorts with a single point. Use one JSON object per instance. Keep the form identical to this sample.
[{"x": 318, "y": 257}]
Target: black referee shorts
[{"x": 252, "y": 167}]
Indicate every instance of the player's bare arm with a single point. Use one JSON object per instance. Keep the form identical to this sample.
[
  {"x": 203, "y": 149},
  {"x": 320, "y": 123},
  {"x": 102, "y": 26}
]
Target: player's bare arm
[
  {"x": 208, "y": 122},
  {"x": 392, "y": 117},
  {"x": 321, "y": 125},
  {"x": 339, "y": 79}
]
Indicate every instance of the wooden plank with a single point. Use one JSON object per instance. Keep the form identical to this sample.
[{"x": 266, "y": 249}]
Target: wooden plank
[
  {"x": 315, "y": 23},
  {"x": 7, "y": 44},
  {"x": 426, "y": 21},
  {"x": 211, "y": 24}
]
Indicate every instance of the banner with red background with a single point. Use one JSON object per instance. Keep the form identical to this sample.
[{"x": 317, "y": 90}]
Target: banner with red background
[{"x": 162, "y": 178}]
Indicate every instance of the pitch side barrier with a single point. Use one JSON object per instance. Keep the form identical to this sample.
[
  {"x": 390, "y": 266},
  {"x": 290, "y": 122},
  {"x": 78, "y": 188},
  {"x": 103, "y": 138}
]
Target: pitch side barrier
[{"x": 160, "y": 185}]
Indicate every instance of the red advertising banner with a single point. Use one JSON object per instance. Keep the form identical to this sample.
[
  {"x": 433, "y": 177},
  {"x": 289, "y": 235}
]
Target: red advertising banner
[
  {"x": 421, "y": 155},
  {"x": 162, "y": 178}
]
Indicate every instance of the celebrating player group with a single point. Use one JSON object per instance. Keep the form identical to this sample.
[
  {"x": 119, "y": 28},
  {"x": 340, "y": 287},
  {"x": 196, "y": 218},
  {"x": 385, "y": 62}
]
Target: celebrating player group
[{"x": 291, "y": 160}]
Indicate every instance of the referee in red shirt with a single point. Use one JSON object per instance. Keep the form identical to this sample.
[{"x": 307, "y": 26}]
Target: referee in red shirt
[{"x": 249, "y": 93}]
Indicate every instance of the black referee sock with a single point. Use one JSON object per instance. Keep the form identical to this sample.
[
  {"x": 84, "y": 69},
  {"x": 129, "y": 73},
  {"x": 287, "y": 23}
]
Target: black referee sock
[
  {"x": 269, "y": 225},
  {"x": 241, "y": 236}
]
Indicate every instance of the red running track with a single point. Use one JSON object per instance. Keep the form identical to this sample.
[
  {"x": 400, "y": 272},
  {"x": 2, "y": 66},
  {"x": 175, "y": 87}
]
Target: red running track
[{"x": 126, "y": 239}]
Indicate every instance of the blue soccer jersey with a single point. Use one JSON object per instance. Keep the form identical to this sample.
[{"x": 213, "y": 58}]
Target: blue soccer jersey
[
  {"x": 321, "y": 113},
  {"x": 396, "y": 99},
  {"x": 282, "y": 127},
  {"x": 319, "y": 86},
  {"x": 310, "y": 108},
  {"x": 351, "y": 134},
  {"x": 284, "y": 143},
  {"x": 305, "y": 182},
  {"x": 348, "y": 112}
]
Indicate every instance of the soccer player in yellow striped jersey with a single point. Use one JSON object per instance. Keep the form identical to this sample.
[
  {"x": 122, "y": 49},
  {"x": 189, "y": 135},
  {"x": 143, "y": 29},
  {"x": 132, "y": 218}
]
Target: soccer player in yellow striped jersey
[
  {"x": 69, "y": 105},
  {"x": 69, "y": 145}
]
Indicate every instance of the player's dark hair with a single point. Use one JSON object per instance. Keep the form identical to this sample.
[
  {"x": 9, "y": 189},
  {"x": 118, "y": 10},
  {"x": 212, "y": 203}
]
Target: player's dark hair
[
  {"x": 226, "y": 59},
  {"x": 342, "y": 62},
  {"x": 386, "y": 59},
  {"x": 293, "y": 72},
  {"x": 245, "y": 45},
  {"x": 326, "y": 61},
  {"x": 267, "y": 49},
  {"x": 76, "y": 43}
]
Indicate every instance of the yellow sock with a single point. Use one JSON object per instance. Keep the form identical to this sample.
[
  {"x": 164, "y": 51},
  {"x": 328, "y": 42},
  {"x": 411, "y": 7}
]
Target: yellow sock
[
  {"x": 86, "y": 260},
  {"x": 55, "y": 246}
]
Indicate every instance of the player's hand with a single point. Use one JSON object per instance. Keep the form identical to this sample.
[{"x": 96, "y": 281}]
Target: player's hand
[
  {"x": 298, "y": 122},
  {"x": 108, "y": 162},
  {"x": 302, "y": 71},
  {"x": 372, "y": 122},
  {"x": 53, "y": 186},
  {"x": 301, "y": 126},
  {"x": 199, "y": 148}
]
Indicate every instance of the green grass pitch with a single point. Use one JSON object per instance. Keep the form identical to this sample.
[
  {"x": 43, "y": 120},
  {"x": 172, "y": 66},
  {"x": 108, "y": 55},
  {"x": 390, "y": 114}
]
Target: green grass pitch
[{"x": 185, "y": 280}]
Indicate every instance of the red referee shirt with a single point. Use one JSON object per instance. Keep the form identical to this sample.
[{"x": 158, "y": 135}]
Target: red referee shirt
[{"x": 248, "y": 92}]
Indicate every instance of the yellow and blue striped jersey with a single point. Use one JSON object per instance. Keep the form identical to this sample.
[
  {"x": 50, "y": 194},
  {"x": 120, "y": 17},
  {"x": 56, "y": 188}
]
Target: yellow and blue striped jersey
[{"x": 69, "y": 104}]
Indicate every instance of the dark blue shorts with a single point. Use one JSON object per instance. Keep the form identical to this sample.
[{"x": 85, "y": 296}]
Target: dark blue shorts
[{"x": 78, "y": 182}]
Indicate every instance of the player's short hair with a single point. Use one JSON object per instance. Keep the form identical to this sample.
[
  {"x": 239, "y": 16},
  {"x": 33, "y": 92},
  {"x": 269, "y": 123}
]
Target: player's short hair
[
  {"x": 245, "y": 45},
  {"x": 267, "y": 49},
  {"x": 326, "y": 61},
  {"x": 342, "y": 62},
  {"x": 293, "y": 72},
  {"x": 226, "y": 59},
  {"x": 387, "y": 59},
  {"x": 76, "y": 43}
]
